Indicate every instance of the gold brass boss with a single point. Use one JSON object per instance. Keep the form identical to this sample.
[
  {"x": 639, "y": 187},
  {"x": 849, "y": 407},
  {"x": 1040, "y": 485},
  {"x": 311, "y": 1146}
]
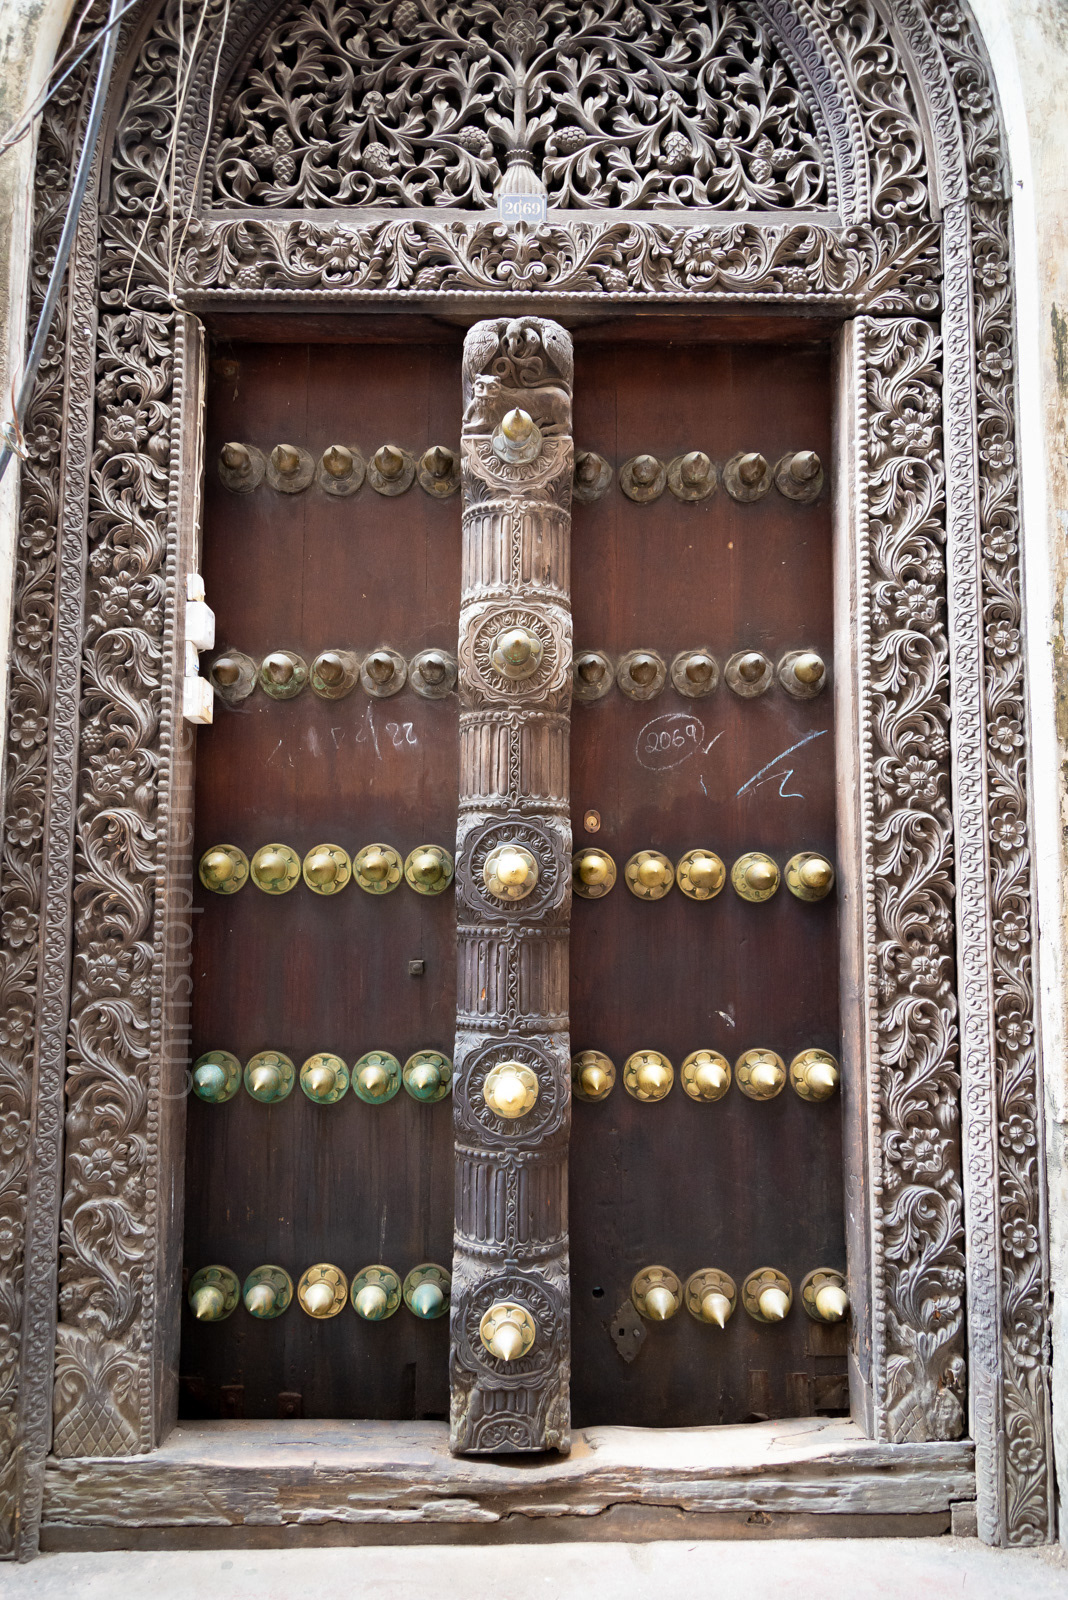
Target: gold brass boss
[
  {"x": 375, "y": 1293},
  {"x": 517, "y": 653},
  {"x": 213, "y": 1293},
  {"x": 376, "y": 1077},
  {"x": 518, "y": 438},
  {"x": 377, "y": 868},
  {"x": 428, "y": 869},
  {"x": 216, "y": 1077},
  {"x": 656, "y": 1293},
  {"x": 593, "y": 1075},
  {"x": 327, "y": 868},
  {"x": 760, "y": 1073},
  {"x": 426, "y": 1291},
  {"x": 269, "y": 1076},
  {"x": 223, "y": 869},
  {"x": 268, "y": 1291},
  {"x": 809, "y": 876},
  {"x": 755, "y": 876},
  {"x": 275, "y": 868},
  {"x": 427, "y": 1076},
  {"x": 510, "y": 872},
  {"x": 324, "y": 1078},
  {"x": 767, "y": 1295},
  {"x": 814, "y": 1075},
  {"x": 706, "y": 1075},
  {"x": 711, "y": 1296},
  {"x": 507, "y": 1330},
  {"x": 700, "y": 874},
  {"x": 322, "y": 1290},
  {"x": 649, "y": 875},
  {"x": 823, "y": 1295},
  {"x": 648, "y": 1075},
  {"x": 593, "y": 873},
  {"x": 510, "y": 1089}
]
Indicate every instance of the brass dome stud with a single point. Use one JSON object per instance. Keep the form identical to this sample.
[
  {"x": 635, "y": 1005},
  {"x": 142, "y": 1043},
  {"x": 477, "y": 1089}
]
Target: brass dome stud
[
  {"x": 747, "y": 476},
  {"x": 641, "y": 674},
  {"x": 510, "y": 1090},
  {"x": 334, "y": 674},
  {"x": 267, "y": 1292},
  {"x": 823, "y": 1295},
  {"x": 290, "y": 469},
  {"x": 706, "y": 1075},
  {"x": 692, "y": 477},
  {"x": 275, "y": 868},
  {"x": 439, "y": 472},
  {"x": 711, "y": 1296},
  {"x": 384, "y": 673},
  {"x": 376, "y": 1077},
  {"x": 510, "y": 872},
  {"x": 592, "y": 676},
  {"x": 391, "y": 470},
  {"x": 428, "y": 869},
  {"x": 755, "y": 877},
  {"x": 809, "y": 876},
  {"x": 643, "y": 479},
  {"x": 700, "y": 874},
  {"x": 432, "y": 674},
  {"x": 377, "y": 868},
  {"x": 694, "y": 673},
  {"x": 283, "y": 674},
  {"x": 507, "y": 1331},
  {"x": 656, "y": 1293},
  {"x": 517, "y": 439},
  {"x": 375, "y": 1293},
  {"x": 593, "y": 873},
  {"x": 223, "y": 869},
  {"x": 767, "y": 1295},
  {"x": 216, "y": 1077},
  {"x": 803, "y": 674},
  {"x": 427, "y": 1076},
  {"x": 814, "y": 1075},
  {"x": 426, "y": 1291},
  {"x": 749, "y": 674},
  {"x": 269, "y": 1076},
  {"x": 648, "y": 1075},
  {"x": 241, "y": 467},
  {"x": 322, "y": 1291},
  {"x": 649, "y": 875},
  {"x": 324, "y": 1078},
  {"x": 213, "y": 1293},
  {"x": 341, "y": 470},
  {"x": 517, "y": 653},
  {"x": 233, "y": 676},
  {"x": 593, "y": 1076},
  {"x": 593, "y": 477},
  {"x": 760, "y": 1074},
  {"x": 799, "y": 475},
  {"x": 327, "y": 869}
]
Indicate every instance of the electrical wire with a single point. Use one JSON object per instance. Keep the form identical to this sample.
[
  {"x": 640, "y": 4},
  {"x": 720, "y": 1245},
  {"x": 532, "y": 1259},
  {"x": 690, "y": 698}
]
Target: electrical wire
[
  {"x": 19, "y": 129},
  {"x": 13, "y": 429}
]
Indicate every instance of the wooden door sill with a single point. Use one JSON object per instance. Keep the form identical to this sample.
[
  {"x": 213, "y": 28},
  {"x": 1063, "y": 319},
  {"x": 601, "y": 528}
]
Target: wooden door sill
[{"x": 273, "y": 1483}]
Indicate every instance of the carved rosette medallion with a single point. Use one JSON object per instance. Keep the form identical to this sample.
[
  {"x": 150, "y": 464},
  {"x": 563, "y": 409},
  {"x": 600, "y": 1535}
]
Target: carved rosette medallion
[{"x": 515, "y": 685}]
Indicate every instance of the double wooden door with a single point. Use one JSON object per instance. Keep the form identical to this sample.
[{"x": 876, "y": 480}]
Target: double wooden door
[{"x": 701, "y": 576}]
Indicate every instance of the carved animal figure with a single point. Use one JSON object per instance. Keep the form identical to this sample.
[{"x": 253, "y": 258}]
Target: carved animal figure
[{"x": 491, "y": 399}]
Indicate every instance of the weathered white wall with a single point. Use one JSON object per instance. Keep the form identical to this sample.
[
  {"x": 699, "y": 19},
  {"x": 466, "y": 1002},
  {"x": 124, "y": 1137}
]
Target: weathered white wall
[{"x": 1028, "y": 44}]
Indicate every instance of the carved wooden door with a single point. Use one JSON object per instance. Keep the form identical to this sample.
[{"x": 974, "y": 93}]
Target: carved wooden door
[{"x": 347, "y": 1089}]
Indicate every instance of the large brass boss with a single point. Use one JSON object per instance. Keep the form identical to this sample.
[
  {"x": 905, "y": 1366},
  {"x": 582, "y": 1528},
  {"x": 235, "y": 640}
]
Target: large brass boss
[{"x": 510, "y": 872}]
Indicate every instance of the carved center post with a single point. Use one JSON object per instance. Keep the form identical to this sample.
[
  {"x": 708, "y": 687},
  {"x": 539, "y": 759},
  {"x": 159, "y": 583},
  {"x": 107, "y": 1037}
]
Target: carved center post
[{"x": 512, "y": 1107}]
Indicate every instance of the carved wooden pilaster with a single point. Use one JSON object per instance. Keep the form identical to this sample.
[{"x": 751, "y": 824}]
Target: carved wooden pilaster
[{"x": 511, "y": 1172}]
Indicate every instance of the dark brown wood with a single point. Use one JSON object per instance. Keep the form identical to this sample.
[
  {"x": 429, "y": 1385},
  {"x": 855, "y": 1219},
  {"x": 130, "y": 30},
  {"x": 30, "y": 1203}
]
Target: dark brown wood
[
  {"x": 738, "y": 1184},
  {"x": 297, "y": 1183}
]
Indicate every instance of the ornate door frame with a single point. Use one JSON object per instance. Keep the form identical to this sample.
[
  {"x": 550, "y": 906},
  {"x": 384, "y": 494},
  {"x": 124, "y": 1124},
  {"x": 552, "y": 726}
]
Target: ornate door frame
[{"x": 907, "y": 246}]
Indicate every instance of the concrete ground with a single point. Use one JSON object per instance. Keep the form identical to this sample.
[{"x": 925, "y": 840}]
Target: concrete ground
[{"x": 853, "y": 1569}]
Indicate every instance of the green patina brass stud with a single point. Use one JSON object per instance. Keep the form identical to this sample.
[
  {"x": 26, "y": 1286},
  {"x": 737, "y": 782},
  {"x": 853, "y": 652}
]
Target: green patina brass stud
[
  {"x": 223, "y": 869},
  {"x": 213, "y": 1293},
  {"x": 275, "y": 868},
  {"x": 428, "y": 869},
  {"x": 324, "y": 1078},
  {"x": 269, "y": 1076},
  {"x": 427, "y": 1076},
  {"x": 267, "y": 1292},
  {"x": 426, "y": 1291},
  {"x": 216, "y": 1077},
  {"x": 376, "y": 1293},
  {"x": 283, "y": 674},
  {"x": 376, "y": 1077}
]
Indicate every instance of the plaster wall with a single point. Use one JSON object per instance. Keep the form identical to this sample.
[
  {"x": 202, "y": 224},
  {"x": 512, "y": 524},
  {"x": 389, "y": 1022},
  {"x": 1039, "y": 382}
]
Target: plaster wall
[{"x": 1028, "y": 45}]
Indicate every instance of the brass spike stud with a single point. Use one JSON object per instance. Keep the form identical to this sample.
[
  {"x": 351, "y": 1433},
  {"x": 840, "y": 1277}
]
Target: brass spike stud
[
  {"x": 700, "y": 874},
  {"x": 286, "y": 459},
  {"x": 507, "y": 1331},
  {"x": 767, "y": 1295},
  {"x": 593, "y": 1076},
  {"x": 824, "y": 1296},
  {"x": 267, "y": 1292},
  {"x": 814, "y": 1075},
  {"x": 237, "y": 457},
  {"x": 649, "y": 875},
  {"x": 327, "y": 869},
  {"x": 706, "y": 1075},
  {"x": 517, "y": 653},
  {"x": 213, "y": 1293},
  {"x": 275, "y": 868},
  {"x": 760, "y": 1074},
  {"x": 376, "y": 1077},
  {"x": 223, "y": 869},
  {"x": 755, "y": 876},
  {"x": 511, "y": 1089},
  {"x": 426, "y": 1291},
  {"x": 809, "y": 875},
  {"x": 656, "y": 1293},
  {"x": 510, "y": 872},
  {"x": 593, "y": 873},
  {"x": 518, "y": 438},
  {"x": 428, "y": 869},
  {"x": 338, "y": 461},
  {"x": 648, "y": 1075},
  {"x": 375, "y": 1293},
  {"x": 427, "y": 1076},
  {"x": 216, "y": 1077},
  {"x": 269, "y": 1076},
  {"x": 241, "y": 467},
  {"x": 324, "y": 1078},
  {"x": 377, "y": 868},
  {"x": 711, "y": 1296},
  {"x": 322, "y": 1291},
  {"x": 799, "y": 475},
  {"x": 389, "y": 461}
]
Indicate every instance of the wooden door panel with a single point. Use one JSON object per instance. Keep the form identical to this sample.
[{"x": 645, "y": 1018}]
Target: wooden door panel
[
  {"x": 297, "y": 1183},
  {"x": 737, "y": 1184}
]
